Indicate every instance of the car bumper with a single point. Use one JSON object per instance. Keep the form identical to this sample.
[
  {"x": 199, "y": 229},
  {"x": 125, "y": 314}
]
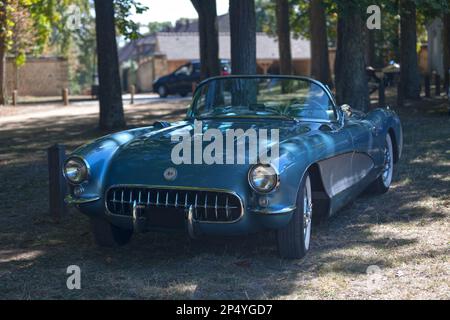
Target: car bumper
[{"x": 251, "y": 221}]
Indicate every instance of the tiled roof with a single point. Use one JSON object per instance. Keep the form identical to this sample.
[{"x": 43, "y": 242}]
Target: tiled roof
[{"x": 185, "y": 46}]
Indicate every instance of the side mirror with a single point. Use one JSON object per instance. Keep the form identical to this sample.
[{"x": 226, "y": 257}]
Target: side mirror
[{"x": 345, "y": 111}]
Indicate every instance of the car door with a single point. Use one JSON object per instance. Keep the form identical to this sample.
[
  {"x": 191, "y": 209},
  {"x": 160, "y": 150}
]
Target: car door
[
  {"x": 192, "y": 77},
  {"x": 336, "y": 166},
  {"x": 179, "y": 79},
  {"x": 362, "y": 132},
  {"x": 336, "y": 169}
]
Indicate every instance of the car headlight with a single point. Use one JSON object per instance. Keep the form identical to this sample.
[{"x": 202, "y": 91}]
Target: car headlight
[
  {"x": 76, "y": 170},
  {"x": 263, "y": 178}
]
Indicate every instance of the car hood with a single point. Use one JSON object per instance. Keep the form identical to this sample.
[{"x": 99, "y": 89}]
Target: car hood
[
  {"x": 162, "y": 79},
  {"x": 144, "y": 159}
]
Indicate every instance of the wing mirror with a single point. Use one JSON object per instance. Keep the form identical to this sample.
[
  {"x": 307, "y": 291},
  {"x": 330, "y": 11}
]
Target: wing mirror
[{"x": 345, "y": 111}]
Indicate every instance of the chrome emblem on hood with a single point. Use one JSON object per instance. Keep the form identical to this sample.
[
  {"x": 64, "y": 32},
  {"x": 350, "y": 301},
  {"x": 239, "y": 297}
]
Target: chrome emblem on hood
[{"x": 170, "y": 174}]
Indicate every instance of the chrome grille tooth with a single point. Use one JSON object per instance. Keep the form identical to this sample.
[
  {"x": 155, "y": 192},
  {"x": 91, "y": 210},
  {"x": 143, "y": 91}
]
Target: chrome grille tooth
[
  {"x": 225, "y": 207},
  {"x": 195, "y": 205},
  {"x": 206, "y": 205},
  {"x": 123, "y": 192},
  {"x": 215, "y": 207},
  {"x": 114, "y": 200}
]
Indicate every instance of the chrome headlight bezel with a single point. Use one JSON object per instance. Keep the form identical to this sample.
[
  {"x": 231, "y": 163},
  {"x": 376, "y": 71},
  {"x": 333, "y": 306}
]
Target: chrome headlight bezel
[
  {"x": 84, "y": 170},
  {"x": 273, "y": 176}
]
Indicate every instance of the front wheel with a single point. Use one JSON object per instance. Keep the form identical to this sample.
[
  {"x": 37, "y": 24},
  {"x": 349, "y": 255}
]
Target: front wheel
[
  {"x": 108, "y": 235},
  {"x": 383, "y": 182},
  {"x": 162, "y": 91},
  {"x": 294, "y": 239}
]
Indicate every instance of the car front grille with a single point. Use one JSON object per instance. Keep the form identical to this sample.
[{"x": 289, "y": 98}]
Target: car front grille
[{"x": 207, "y": 206}]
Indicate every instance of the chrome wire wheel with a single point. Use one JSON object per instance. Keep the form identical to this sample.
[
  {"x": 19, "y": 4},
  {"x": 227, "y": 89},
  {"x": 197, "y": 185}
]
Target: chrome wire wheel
[
  {"x": 307, "y": 212},
  {"x": 294, "y": 239},
  {"x": 388, "y": 163}
]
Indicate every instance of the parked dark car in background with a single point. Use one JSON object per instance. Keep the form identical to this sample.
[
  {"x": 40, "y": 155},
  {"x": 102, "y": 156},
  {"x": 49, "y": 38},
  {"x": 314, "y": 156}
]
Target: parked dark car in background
[{"x": 180, "y": 81}]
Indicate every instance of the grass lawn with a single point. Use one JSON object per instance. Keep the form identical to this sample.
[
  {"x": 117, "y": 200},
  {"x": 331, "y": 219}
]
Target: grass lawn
[{"x": 405, "y": 233}]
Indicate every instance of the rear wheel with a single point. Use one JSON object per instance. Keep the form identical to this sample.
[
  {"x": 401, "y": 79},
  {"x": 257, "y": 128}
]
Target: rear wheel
[
  {"x": 294, "y": 239},
  {"x": 108, "y": 235},
  {"x": 383, "y": 182}
]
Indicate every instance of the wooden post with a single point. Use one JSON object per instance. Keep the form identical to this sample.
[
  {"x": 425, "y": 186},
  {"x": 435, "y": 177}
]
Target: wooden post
[
  {"x": 438, "y": 84},
  {"x": 57, "y": 184},
  {"x": 437, "y": 81},
  {"x": 381, "y": 94},
  {"x": 447, "y": 86},
  {"x": 65, "y": 96},
  {"x": 14, "y": 98},
  {"x": 399, "y": 94},
  {"x": 427, "y": 85},
  {"x": 132, "y": 92},
  {"x": 447, "y": 83}
]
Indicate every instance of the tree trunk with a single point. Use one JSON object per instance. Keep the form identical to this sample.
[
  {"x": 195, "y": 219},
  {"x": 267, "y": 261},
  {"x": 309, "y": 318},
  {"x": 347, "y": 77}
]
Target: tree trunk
[
  {"x": 446, "y": 46},
  {"x": 409, "y": 66},
  {"x": 320, "y": 63},
  {"x": 209, "y": 37},
  {"x": 284, "y": 36},
  {"x": 3, "y": 27},
  {"x": 370, "y": 47},
  {"x": 110, "y": 91},
  {"x": 350, "y": 68},
  {"x": 243, "y": 36}
]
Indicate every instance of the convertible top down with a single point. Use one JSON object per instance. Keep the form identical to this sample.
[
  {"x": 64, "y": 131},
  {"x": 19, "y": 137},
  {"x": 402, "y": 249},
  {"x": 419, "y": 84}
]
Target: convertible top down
[{"x": 193, "y": 176}]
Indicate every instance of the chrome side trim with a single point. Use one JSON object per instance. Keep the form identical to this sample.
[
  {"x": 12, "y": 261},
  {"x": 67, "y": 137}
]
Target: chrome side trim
[
  {"x": 242, "y": 206},
  {"x": 69, "y": 199},
  {"x": 280, "y": 211}
]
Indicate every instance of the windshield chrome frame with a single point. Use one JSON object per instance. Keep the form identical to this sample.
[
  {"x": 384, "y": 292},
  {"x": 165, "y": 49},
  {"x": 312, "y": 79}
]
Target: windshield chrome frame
[{"x": 336, "y": 109}]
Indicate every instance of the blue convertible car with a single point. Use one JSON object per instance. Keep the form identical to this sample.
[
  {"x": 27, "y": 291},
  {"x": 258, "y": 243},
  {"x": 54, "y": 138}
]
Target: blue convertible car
[{"x": 219, "y": 172}]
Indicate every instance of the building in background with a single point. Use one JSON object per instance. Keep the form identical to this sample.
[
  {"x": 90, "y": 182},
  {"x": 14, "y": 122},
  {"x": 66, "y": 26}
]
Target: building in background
[{"x": 144, "y": 60}]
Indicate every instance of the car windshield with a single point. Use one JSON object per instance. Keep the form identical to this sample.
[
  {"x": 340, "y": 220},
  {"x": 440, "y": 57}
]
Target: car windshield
[{"x": 259, "y": 97}]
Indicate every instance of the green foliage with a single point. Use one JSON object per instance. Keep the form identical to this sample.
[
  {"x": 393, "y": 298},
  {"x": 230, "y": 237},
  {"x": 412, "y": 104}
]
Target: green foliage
[
  {"x": 124, "y": 9},
  {"x": 299, "y": 18},
  {"x": 26, "y": 26}
]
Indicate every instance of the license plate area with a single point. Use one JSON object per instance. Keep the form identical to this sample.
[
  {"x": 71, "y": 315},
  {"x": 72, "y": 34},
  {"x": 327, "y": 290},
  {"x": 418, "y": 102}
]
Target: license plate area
[{"x": 164, "y": 218}]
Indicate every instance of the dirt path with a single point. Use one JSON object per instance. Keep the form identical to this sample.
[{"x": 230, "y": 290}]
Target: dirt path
[{"x": 404, "y": 233}]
